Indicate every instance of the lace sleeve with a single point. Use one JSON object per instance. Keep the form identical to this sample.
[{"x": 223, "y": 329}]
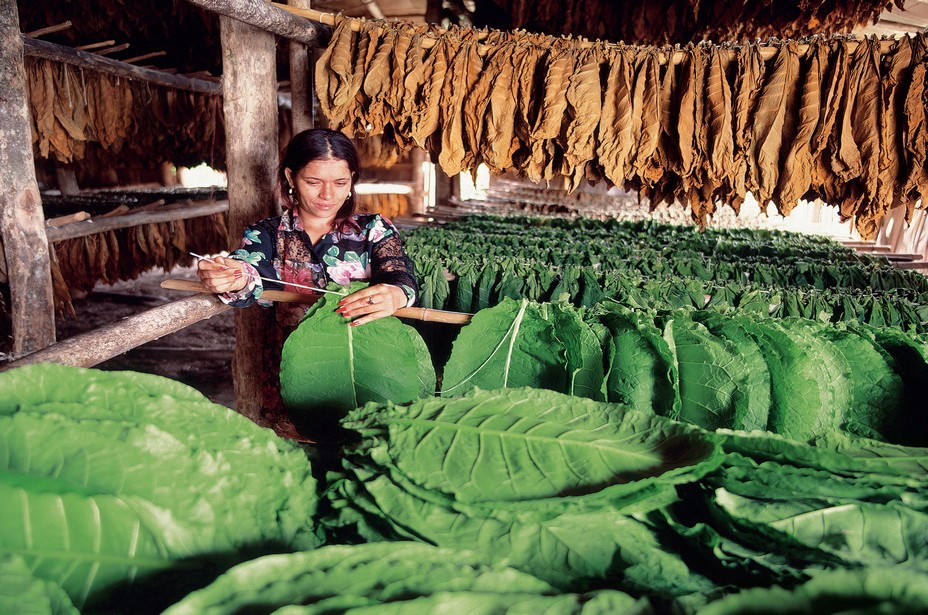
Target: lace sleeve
[{"x": 390, "y": 265}]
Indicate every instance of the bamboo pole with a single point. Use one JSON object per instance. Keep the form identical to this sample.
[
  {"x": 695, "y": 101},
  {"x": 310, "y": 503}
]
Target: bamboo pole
[
  {"x": 92, "y": 46},
  {"x": 89, "y": 349},
  {"x": 68, "y": 55},
  {"x": 283, "y": 296},
  {"x": 767, "y": 51},
  {"x": 145, "y": 56},
  {"x": 113, "y": 49}
]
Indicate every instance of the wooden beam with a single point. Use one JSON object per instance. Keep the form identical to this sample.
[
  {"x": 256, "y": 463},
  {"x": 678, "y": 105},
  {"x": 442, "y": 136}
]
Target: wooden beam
[
  {"x": 249, "y": 104},
  {"x": 68, "y": 55},
  {"x": 301, "y": 75},
  {"x": 99, "y": 224},
  {"x": 96, "y": 45},
  {"x": 48, "y": 30},
  {"x": 89, "y": 349},
  {"x": 264, "y": 16},
  {"x": 113, "y": 49},
  {"x": 145, "y": 56},
  {"x": 22, "y": 222}
]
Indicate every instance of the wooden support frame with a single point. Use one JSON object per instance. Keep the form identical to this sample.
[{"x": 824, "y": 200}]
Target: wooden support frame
[
  {"x": 249, "y": 67},
  {"x": 22, "y": 222},
  {"x": 94, "y": 347},
  {"x": 301, "y": 75},
  {"x": 68, "y": 55},
  {"x": 100, "y": 224}
]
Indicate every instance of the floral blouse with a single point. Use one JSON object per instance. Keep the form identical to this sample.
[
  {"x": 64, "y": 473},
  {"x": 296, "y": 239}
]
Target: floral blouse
[{"x": 363, "y": 247}]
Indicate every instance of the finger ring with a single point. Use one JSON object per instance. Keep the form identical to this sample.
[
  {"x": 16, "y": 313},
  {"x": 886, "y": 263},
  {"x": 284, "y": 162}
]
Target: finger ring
[{"x": 370, "y": 301}]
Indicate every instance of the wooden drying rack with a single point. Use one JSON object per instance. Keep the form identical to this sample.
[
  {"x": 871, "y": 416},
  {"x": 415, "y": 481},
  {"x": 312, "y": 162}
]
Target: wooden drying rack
[{"x": 767, "y": 52}]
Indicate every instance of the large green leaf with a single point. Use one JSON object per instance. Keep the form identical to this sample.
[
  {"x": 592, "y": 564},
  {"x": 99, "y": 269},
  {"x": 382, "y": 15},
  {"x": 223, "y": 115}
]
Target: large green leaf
[
  {"x": 809, "y": 378},
  {"x": 23, "y": 593},
  {"x": 641, "y": 368},
  {"x": 584, "y": 351},
  {"x": 526, "y": 444},
  {"x": 712, "y": 380},
  {"x": 329, "y": 367},
  {"x": 868, "y": 591},
  {"x": 510, "y": 345},
  {"x": 105, "y": 481},
  {"x": 378, "y": 573},
  {"x": 752, "y": 399}
]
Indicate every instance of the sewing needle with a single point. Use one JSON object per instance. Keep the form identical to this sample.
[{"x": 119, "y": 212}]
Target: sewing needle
[{"x": 318, "y": 290}]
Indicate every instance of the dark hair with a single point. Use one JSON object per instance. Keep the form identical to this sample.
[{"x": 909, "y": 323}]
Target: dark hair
[{"x": 318, "y": 144}]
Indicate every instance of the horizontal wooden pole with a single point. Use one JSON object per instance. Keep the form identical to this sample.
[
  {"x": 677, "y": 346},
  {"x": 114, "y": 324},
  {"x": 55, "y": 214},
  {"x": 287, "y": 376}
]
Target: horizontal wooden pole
[
  {"x": 912, "y": 265},
  {"x": 767, "y": 52},
  {"x": 58, "y": 53},
  {"x": 264, "y": 15},
  {"x": 48, "y": 30},
  {"x": 94, "y": 347},
  {"x": 424, "y": 314},
  {"x": 100, "y": 224}
]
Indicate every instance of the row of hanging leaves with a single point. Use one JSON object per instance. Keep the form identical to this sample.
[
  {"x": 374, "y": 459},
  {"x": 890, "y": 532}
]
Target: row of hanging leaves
[
  {"x": 838, "y": 120},
  {"x": 78, "y": 114},
  {"x": 124, "y": 254}
]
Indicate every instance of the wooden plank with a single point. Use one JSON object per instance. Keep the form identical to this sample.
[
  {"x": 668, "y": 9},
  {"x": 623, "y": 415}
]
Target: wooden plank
[
  {"x": 89, "y": 349},
  {"x": 59, "y": 53},
  {"x": 108, "y": 222},
  {"x": 22, "y": 223},
  {"x": 250, "y": 110},
  {"x": 301, "y": 75},
  {"x": 912, "y": 265},
  {"x": 267, "y": 17}
]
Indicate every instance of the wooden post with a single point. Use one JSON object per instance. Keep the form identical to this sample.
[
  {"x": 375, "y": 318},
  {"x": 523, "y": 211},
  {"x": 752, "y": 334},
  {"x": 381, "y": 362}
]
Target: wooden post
[
  {"x": 67, "y": 179},
  {"x": 249, "y": 83},
  {"x": 22, "y": 223},
  {"x": 301, "y": 91}
]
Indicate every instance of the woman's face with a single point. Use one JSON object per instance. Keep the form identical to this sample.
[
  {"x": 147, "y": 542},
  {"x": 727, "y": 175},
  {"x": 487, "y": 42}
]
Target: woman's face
[{"x": 322, "y": 186}]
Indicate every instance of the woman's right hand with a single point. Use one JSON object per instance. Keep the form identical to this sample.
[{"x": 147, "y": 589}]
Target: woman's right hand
[{"x": 222, "y": 275}]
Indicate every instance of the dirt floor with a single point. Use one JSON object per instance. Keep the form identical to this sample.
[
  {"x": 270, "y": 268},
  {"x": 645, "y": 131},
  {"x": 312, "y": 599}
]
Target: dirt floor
[{"x": 199, "y": 355}]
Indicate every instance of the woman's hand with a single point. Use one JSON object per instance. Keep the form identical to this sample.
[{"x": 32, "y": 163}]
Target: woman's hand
[
  {"x": 222, "y": 275},
  {"x": 371, "y": 303}
]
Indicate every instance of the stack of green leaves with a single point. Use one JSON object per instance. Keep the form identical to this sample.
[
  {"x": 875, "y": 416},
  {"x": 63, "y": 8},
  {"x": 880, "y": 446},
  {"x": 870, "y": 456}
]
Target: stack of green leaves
[
  {"x": 544, "y": 482},
  {"x": 390, "y": 577},
  {"x": 329, "y": 367},
  {"x": 111, "y": 478},
  {"x": 589, "y": 495},
  {"x": 796, "y": 377}
]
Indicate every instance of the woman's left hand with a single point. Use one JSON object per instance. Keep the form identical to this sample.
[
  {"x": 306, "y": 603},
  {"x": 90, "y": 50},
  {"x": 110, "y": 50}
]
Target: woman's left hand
[{"x": 371, "y": 303}]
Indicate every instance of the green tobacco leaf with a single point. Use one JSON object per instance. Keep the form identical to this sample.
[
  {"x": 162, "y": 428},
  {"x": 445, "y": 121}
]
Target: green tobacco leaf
[
  {"x": 22, "y": 592},
  {"x": 376, "y": 572},
  {"x": 584, "y": 349},
  {"x": 711, "y": 376},
  {"x": 809, "y": 378},
  {"x": 858, "y": 533},
  {"x": 510, "y": 345},
  {"x": 526, "y": 444},
  {"x": 641, "y": 367},
  {"x": 871, "y": 590},
  {"x": 113, "y": 482},
  {"x": 571, "y": 551},
  {"x": 329, "y": 367},
  {"x": 876, "y": 390},
  {"x": 752, "y": 400}
]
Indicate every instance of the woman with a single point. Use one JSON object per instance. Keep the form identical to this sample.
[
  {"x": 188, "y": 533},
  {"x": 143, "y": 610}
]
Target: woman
[{"x": 318, "y": 239}]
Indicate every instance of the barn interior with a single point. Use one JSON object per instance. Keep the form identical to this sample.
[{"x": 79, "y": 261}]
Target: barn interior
[{"x": 138, "y": 135}]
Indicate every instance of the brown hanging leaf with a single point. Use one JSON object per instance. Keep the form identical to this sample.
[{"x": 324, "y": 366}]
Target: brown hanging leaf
[
  {"x": 796, "y": 174},
  {"x": 769, "y": 122},
  {"x": 615, "y": 121},
  {"x": 718, "y": 106},
  {"x": 582, "y": 114},
  {"x": 463, "y": 72},
  {"x": 426, "y": 115}
]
